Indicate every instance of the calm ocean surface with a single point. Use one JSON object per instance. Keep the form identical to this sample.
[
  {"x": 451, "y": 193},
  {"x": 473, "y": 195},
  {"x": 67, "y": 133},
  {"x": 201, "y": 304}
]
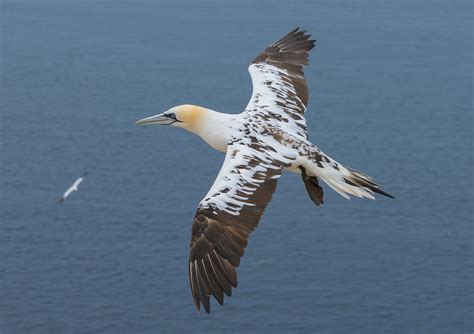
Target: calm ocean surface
[{"x": 390, "y": 94}]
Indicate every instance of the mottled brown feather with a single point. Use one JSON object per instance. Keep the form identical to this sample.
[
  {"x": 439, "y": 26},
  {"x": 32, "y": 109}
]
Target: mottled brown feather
[
  {"x": 291, "y": 53},
  {"x": 219, "y": 239}
]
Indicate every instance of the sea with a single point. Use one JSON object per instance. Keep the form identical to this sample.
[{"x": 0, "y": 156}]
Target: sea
[{"x": 390, "y": 86}]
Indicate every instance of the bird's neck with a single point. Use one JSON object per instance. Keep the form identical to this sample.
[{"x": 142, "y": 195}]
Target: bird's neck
[{"x": 214, "y": 127}]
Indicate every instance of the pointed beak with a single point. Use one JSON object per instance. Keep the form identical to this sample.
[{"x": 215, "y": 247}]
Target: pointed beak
[{"x": 157, "y": 119}]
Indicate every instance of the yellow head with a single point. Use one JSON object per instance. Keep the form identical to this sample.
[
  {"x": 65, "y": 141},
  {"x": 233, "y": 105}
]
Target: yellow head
[{"x": 185, "y": 116}]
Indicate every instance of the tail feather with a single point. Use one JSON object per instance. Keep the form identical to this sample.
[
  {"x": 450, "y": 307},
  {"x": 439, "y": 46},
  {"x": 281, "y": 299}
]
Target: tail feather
[
  {"x": 345, "y": 180},
  {"x": 365, "y": 181},
  {"x": 337, "y": 188}
]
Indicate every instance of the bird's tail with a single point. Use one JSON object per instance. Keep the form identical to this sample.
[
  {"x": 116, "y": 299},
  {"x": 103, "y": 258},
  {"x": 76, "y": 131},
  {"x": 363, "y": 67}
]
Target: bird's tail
[{"x": 344, "y": 180}]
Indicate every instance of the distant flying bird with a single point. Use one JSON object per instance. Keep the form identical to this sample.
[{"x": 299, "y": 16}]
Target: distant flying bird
[
  {"x": 269, "y": 136},
  {"x": 74, "y": 187}
]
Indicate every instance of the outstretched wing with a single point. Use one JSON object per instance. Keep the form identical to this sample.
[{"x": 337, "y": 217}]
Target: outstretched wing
[
  {"x": 228, "y": 214},
  {"x": 280, "y": 92}
]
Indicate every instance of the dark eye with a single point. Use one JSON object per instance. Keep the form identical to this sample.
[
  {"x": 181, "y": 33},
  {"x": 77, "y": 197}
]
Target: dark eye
[{"x": 173, "y": 116}]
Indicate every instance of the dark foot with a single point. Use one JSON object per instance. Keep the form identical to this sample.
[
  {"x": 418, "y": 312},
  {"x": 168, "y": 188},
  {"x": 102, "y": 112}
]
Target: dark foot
[{"x": 311, "y": 183}]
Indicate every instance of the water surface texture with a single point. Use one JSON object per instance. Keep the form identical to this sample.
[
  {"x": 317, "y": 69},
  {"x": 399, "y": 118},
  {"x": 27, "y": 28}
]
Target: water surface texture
[{"x": 390, "y": 94}]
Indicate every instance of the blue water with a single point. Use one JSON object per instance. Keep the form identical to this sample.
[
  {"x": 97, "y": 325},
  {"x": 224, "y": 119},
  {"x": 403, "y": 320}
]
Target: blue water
[{"x": 390, "y": 94}]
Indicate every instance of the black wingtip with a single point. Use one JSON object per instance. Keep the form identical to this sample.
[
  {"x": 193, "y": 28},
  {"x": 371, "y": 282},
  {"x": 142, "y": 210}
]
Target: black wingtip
[{"x": 207, "y": 307}]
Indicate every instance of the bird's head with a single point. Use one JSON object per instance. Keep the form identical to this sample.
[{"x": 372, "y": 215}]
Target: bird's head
[{"x": 185, "y": 116}]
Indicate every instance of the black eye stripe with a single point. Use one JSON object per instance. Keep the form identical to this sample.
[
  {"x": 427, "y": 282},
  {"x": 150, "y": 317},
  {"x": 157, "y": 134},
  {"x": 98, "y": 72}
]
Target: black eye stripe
[{"x": 173, "y": 117}]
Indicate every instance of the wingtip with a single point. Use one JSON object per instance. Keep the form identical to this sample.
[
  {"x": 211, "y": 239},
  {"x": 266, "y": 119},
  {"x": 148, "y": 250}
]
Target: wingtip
[
  {"x": 207, "y": 308},
  {"x": 197, "y": 305},
  {"x": 299, "y": 31},
  {"x": 206, "y": 305}
]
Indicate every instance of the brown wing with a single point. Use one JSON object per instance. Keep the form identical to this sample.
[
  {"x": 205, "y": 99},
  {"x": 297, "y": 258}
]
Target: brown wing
[
  {"x": 291, "y": 54},
  {"x": 226, "y": 217},
  {"x": 280, "y": 93}
]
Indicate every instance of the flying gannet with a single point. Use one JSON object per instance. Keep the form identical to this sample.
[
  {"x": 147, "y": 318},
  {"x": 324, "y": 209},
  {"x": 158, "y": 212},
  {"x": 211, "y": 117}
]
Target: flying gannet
[
  {"x": 269, "y": 136},
  {"x": 72, "y": 188}
]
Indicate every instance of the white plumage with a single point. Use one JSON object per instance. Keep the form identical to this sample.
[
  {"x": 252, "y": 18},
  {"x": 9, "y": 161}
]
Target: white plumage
[
  {"x": 268, "y": 137},
  {"x": 71, "y": 189}
]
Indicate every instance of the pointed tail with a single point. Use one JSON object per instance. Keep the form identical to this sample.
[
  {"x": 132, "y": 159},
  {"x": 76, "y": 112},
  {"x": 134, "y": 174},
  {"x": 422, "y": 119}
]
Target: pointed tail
[
  {"x": 344, "y": 180},
  {"x": 359, "y": 179}
]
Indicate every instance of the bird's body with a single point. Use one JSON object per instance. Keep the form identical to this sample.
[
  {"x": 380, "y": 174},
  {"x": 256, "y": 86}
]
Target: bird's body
[
  {"x": 71, "y": 189},
  {"x": 268, "y": 137}
]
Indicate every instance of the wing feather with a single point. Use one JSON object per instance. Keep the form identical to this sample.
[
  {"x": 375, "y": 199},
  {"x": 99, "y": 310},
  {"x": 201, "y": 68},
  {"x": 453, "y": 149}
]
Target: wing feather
[
  {"x": 245, "y": 184},
  {"x": 228, "y": 214},
  {"x": 280, "y": 91}
]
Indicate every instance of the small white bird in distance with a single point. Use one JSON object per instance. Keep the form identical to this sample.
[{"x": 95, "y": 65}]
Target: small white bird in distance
[{"x": 73, "y": 187}]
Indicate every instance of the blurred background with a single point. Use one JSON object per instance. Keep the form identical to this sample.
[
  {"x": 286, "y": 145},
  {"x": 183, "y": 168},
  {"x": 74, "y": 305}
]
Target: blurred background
[{"x": 390, "y": 94}]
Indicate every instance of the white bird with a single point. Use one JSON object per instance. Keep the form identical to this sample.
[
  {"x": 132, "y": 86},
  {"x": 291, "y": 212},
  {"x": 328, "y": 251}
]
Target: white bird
[
  {"x": 268, "y": 137},
  {"x": 74, "y": 187}
]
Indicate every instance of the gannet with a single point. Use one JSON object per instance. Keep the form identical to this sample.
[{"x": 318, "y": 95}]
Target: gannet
[
  {"x": 72, "y": 188},
  {"x": 268, "y": 137}
]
